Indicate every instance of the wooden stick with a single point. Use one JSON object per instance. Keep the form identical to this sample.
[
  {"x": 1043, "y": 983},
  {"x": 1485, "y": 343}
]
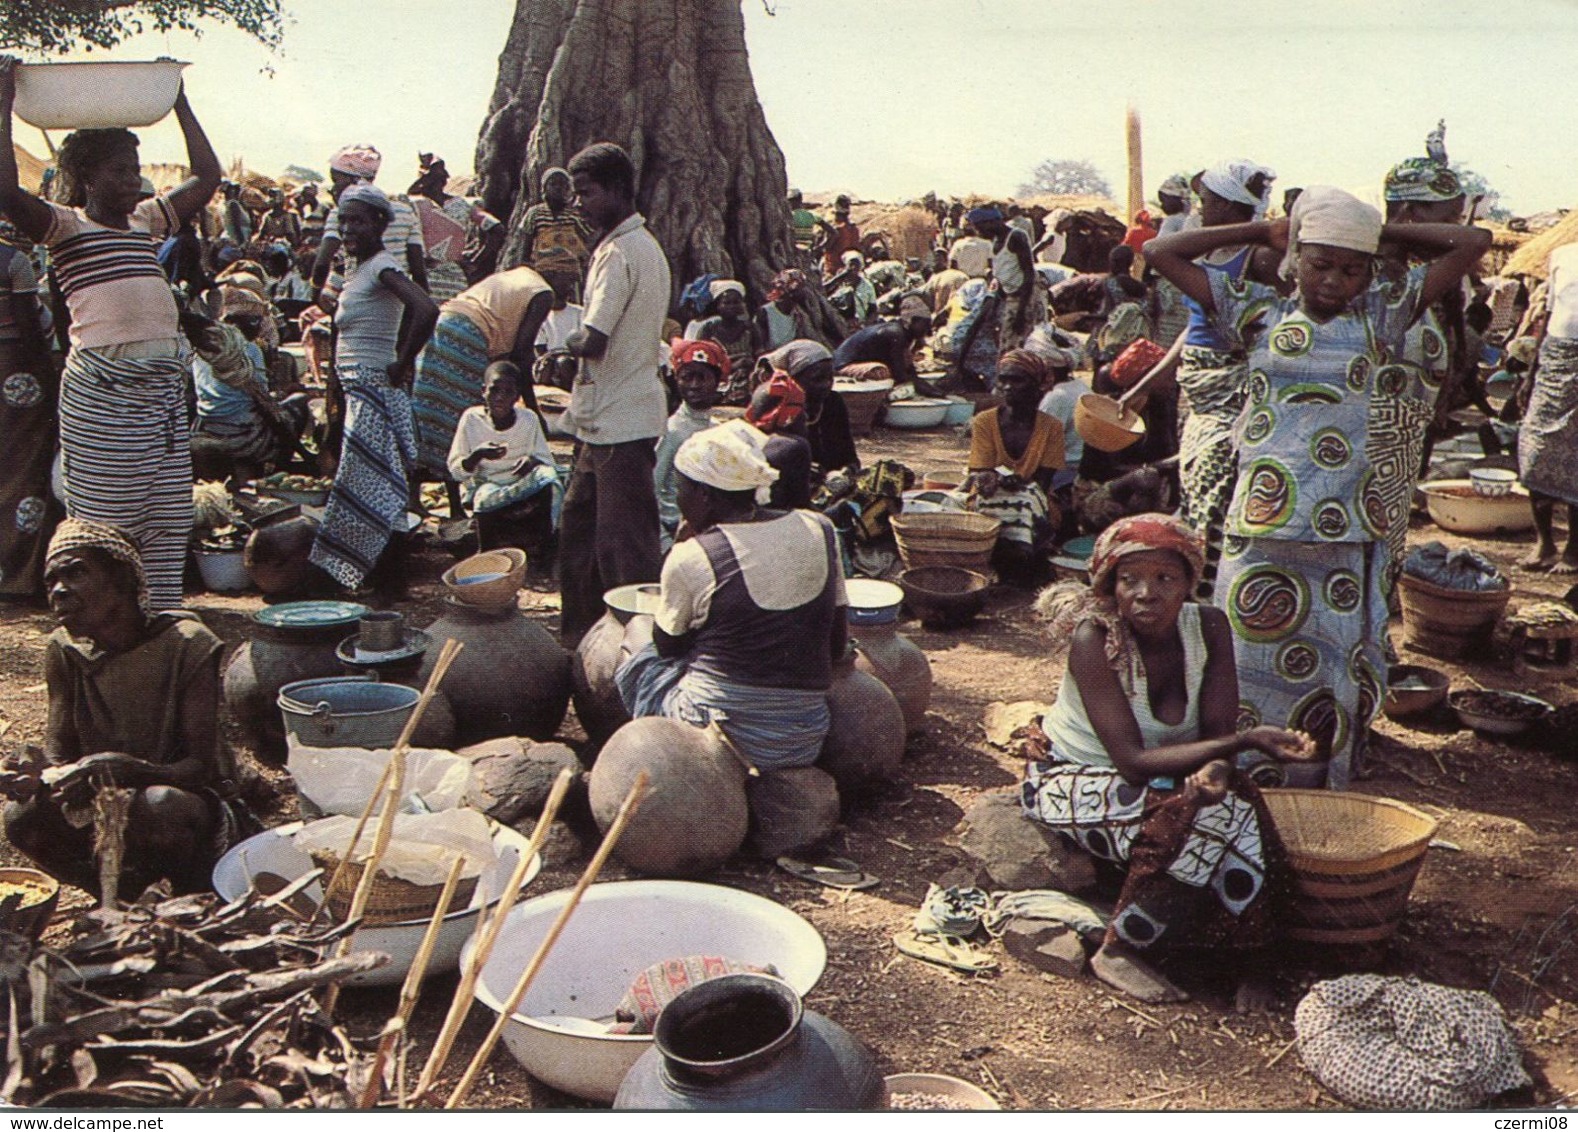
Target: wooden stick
[
  {"x": 446, "y": 657},
  {"x": 411, "y": 989},
  {"x": 627, "y": 809},
  {"x": 386, "y": 819},
  {"x": 489, "y": 934}
]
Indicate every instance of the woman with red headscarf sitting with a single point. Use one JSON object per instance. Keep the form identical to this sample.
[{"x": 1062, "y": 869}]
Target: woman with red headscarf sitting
[{"x": 1137, "y": 761}]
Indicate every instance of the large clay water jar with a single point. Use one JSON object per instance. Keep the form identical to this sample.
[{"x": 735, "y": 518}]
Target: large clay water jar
[
  {"x": 512, "y": 678},
  {"x": 695, "y": 815},
  {"x": 746, "y": 1042},
  {"x": 598, "y": 656},
  {"x": 288, "y": 642},
  {"x": 885, "y": 653},
  {"x": 865, "y": 743}
]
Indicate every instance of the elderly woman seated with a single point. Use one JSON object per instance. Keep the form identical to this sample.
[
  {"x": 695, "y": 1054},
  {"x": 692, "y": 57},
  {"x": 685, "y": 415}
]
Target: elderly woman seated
[
  {"x": 134, "y": 705},
  {"x": 507, "y": 475},
  {"x": 1138, "y": 760},
  {"x": 751, "y": 613}
]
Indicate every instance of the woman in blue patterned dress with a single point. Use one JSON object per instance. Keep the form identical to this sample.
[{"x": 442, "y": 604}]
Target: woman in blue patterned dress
[{"x": 1305, "y": 557}]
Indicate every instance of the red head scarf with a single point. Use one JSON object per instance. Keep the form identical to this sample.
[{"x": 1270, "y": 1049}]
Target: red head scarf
[
  {"x": 703, "y": 350},
  {"x": 788, "y": 402}
]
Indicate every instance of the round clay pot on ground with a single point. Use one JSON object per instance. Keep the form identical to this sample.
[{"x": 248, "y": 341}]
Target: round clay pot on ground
[
  {"x": 792, "y": 810},
  {"x": 694, "y": 817},
  {"x": 865, "y": 743},
  {"x": 745, "y": 1042},
  {"x": 882, "y": 651},
  {"x": 601, "y": 651},
  {"x": 288, "y": 642},
  {"x": 512, "y": 678}
]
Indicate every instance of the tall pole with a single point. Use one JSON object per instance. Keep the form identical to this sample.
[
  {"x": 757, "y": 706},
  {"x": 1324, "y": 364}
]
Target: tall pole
[{"x": 1136, "y": 165}]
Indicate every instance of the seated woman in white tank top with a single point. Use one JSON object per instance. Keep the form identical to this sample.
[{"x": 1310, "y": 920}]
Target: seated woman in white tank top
[{"x": 1136, "y": 761}]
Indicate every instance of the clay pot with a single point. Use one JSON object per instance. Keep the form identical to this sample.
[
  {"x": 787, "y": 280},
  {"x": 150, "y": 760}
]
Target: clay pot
[
  {"x": 745, "y": 1042},
  {"x": 289, "y": 642},
  {"x": 694, "y": 817},
  {"x": 865, "y": 743},
  {"x": 276, "y": 556},
  {"x": 884, "y": 652},
  {"x": 512, "y": 678},
  {"x": 601, "y": 651}
]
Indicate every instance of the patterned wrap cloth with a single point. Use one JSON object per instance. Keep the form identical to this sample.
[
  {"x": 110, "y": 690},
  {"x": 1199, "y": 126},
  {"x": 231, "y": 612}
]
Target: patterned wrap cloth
[{"x": 1208, "y": 874}]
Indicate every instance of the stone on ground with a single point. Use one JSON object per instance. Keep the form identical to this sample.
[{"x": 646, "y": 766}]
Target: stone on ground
[
  {"x": 512, "y": 776},
  {"x": 1016, "y": 853},
  {"x": 1053, "y": 948}
]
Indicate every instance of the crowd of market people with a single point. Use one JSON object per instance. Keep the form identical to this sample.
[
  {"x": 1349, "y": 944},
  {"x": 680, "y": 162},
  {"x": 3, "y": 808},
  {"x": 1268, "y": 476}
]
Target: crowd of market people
[{"x": 1296, "y": 369}]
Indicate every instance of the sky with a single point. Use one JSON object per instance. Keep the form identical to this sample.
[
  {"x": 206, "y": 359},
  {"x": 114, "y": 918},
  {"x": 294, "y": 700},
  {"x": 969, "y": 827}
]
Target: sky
[{"x": 888, "y": 99}]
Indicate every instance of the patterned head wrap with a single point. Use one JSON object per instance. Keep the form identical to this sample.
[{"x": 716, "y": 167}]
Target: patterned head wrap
[
  {"x": 722, "y": 287},
  {"x": 698, "y": 293},
  {"x": 794, "y": 358},
  {"x": 1422, "y": 179},
  {"x": 1329, "y": 216},
  {"x": 369, "y": 194},
  {"x": 786, "y": 283},
  {"x": 84, "y": 534},
  {"x": 357, "y": 161},
  {"x": 787, "y": 401},
  {"x": 913, "y": 306},
  {"x": 683, "y": 351},
  {"x": 729, "y": 457},
  {"x": 1025, "y": 361},
  {"x": 1068, "y": 606},
  {"x": 986, "y": 215},
  {"x": 1230, "y": 181},
  {"x": 235, "y": 297},
  {"x": 1176, "y": 186}
]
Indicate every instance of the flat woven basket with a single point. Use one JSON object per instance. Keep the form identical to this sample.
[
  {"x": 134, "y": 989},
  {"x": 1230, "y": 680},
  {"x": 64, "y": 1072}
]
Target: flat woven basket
[
  {"x": 1354, "y": 858},
  {"x": 392, "y": 900},
  {"x": 946, "y": 538}
]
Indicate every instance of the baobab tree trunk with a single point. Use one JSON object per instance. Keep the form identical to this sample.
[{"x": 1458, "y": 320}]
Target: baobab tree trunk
[{"x": 670, "y": 81}]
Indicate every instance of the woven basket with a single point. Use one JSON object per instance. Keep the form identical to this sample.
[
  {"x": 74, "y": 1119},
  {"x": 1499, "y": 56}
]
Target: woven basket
[
  {"x": 392, "y": 900},
  {"x": 1449, "y": 623},
  {"x": 1354, "y": 860},
  {"x": 863, "y": 401},
  {"x": 946, "y": 538}
]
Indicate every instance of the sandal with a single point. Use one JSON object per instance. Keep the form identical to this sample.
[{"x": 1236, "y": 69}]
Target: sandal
[
  {"x": 831, "y": 872},
  {"x": 946, "y": 951}
]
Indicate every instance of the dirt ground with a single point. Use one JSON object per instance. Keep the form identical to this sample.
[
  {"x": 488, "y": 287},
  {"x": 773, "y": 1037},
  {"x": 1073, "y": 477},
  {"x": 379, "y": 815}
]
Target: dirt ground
[{"x": 1495, "y": 907}]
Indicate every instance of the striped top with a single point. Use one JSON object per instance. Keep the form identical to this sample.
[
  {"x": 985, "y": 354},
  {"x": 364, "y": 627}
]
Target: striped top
[{"x": 111, "y": 278}]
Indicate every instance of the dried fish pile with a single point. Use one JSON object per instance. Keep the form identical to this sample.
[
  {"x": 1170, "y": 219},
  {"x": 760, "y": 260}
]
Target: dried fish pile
[{"x": 183, "y": 1002}]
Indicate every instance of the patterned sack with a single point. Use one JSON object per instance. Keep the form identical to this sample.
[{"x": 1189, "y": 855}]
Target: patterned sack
[
  {"x": 1380, "y": 1042},
  {"x": 661, "y": 983}
]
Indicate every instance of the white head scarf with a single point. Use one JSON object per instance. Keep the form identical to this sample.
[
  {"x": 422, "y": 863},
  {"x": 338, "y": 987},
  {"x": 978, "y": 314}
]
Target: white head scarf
[
  {"x": 1230, "y": 181},
  {"x": 369, "y": 194},
  {"x": 721, "y": 287},
  {"x": 730, "y": 457},
  {"x": 1326, "y": 215}
]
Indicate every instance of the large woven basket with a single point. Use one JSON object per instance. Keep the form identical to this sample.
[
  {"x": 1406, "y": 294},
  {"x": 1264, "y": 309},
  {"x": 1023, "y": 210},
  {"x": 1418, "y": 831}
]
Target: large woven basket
[
  {"x": 863, "y": 400},
  {"x": 946, "y": 538},
  {"x": 1354, "y": 860},
  {"x": 1449, "y": 623},
  {"x": 391, "y": 900}
]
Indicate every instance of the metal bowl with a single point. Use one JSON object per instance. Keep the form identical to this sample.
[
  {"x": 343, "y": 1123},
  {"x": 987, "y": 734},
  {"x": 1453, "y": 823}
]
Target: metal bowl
[
  {"x": 1412, "y": 689},
  {"x": 619, "y": 930},
  {"x": 1491, "y": 712},
  {"x": 272, "y": 851}
]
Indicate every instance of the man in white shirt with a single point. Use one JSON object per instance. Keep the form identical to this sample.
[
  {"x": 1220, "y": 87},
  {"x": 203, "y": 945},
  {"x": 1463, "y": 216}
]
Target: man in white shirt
[{"x": 609, "y": 527}]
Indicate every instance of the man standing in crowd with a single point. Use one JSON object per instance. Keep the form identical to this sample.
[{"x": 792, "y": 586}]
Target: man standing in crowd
[{"x": 609, "y": 527}]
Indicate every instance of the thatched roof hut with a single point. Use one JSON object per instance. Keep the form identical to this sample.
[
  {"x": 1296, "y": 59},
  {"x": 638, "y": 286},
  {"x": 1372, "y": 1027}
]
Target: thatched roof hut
[{"x": 1531, "y": 256}]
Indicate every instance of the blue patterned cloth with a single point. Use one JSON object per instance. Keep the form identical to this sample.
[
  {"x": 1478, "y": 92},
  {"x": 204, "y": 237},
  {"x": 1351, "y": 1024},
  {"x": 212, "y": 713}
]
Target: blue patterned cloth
[
  {"x": 448, "y": 382},
  {"x": 1323, "y": 448}
]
